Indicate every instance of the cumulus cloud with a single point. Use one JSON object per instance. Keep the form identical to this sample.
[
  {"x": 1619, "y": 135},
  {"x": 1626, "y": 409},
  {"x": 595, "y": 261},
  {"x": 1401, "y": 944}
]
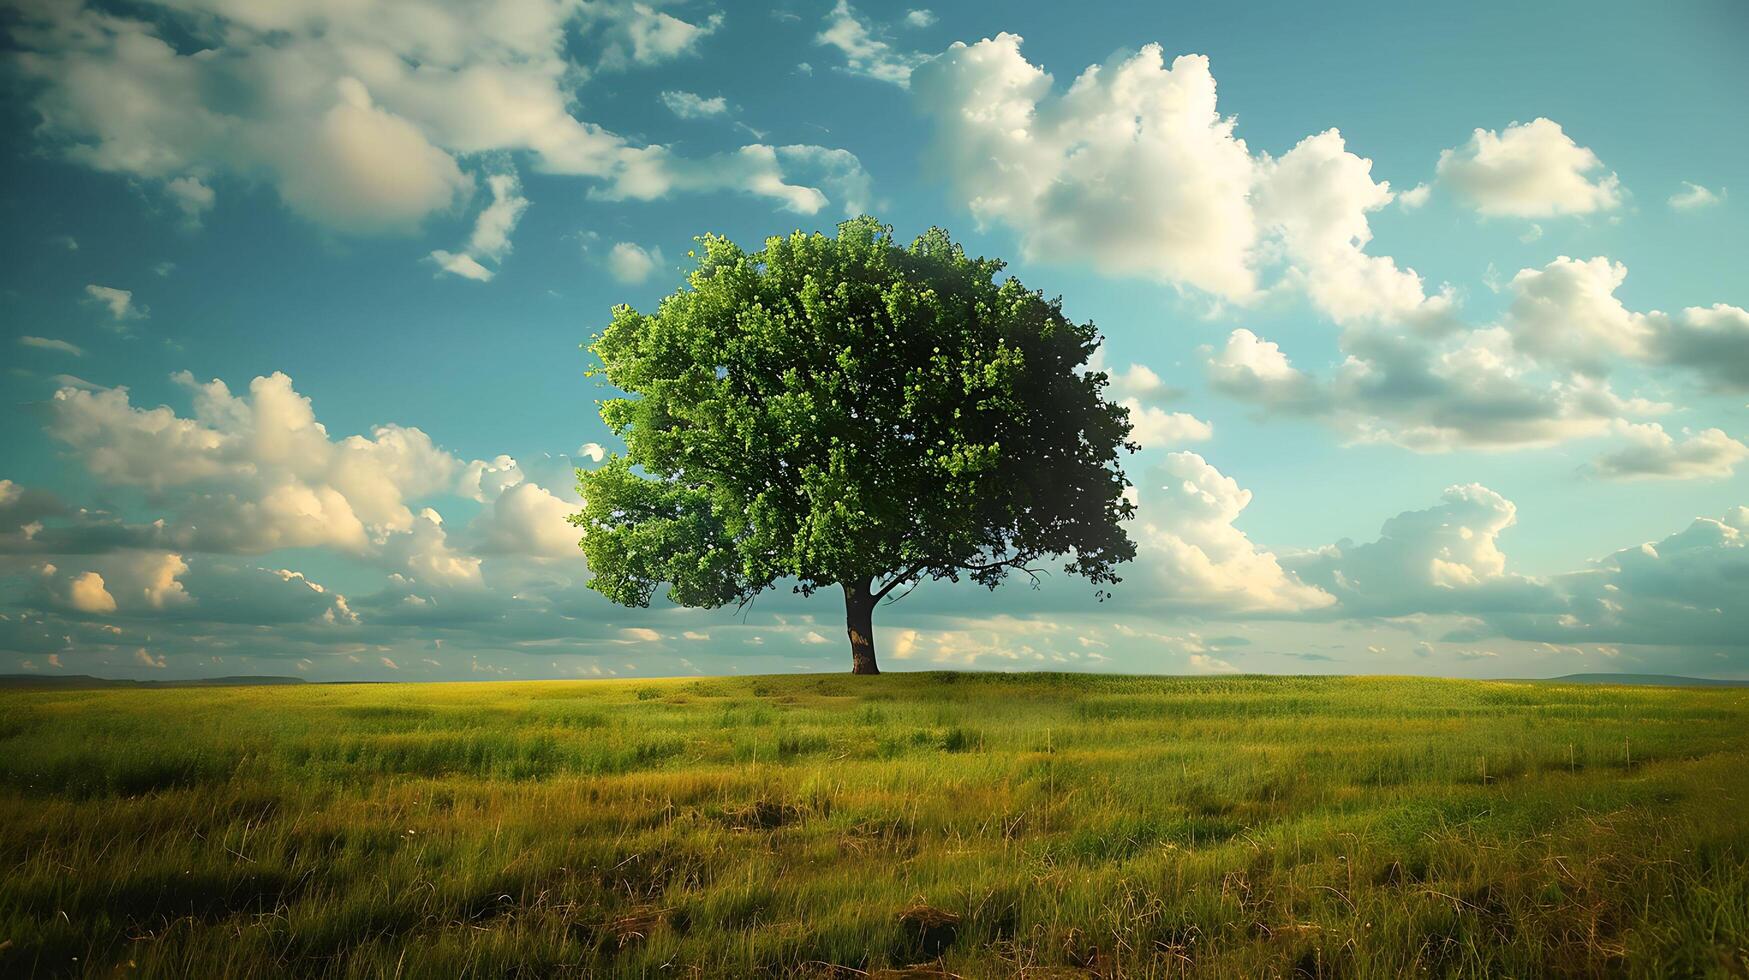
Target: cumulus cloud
[
  {"x": 1426, "y": 395},
  {"x": 1683, "y": 591},
  {"x": 592, "y": 450},
  {"x": 119, "y": 302},
  {"x": 1712, "y": 342},
  {"x": 258, "y": 472},
  {"x": 1566, "y": 313},
  {"x": 126, "y": 581},
  {"x": 1446, "y": 558},
  {"x": 1529, "y": 170},
  {"x": 1649, "y": 453},
  {"x": 1316, "y": 199},
  {"x": 1155, "y": 427},
  {"x": 1194, "y": 555},
  {"x": 631, "y": 263},
  {"x": 358, "y": 117},
  {"x": 1538, "y": 376},
  {"x": 919, "y": 18},
  {"x": 1255, "y": 369},
  {"x": 1134, "y": 170},
  {"x": 689, "y": 105},
  {"x": 528, "y": 520},
  {"x": 865, "y": 53},
  {"x": 1415, "y": 197},
  {"x": 1139, "y": 381},
  {"x": 85, "y": 592},
  {"x": 637, "y": 34},
  {"x": 1693, "y": 197},
  {"x": 839, "y": 171}
]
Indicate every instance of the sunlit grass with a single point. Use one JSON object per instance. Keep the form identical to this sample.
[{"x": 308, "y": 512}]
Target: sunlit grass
[{"x": 987, "y": 825}]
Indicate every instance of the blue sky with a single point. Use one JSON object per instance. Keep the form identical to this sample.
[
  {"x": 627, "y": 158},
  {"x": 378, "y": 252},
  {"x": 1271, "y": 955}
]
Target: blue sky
[{"x": 1434, "y": 329}]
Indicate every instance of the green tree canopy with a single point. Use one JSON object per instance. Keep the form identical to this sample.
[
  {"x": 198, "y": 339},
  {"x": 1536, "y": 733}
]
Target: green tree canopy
[{"x": 845, "y": 411}]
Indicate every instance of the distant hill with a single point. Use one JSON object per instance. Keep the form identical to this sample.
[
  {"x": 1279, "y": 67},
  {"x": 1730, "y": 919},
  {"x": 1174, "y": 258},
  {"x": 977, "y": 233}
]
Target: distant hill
[
  {"x": 1637, "y": 680},
  {"x": 87, "y": 681}
]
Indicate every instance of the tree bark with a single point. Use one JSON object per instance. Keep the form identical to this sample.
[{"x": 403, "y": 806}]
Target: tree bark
[{"x": 859, "y": 603}]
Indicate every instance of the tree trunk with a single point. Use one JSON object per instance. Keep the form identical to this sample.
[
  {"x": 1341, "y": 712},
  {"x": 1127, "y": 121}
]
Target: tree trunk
[{"x": 859, "y": 603}]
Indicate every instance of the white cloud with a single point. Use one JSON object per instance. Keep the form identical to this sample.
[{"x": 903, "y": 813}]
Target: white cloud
[
  {"x": 631, "y": 263},
  {"x": 128, "y": 581},
  {"x": 145, "y": 658},
  {"x": 358, "y": 115},
  {"x": 638, "y": 34},
  {"x": 1683, "y": 592},
  {"x": 492, "y": 229},
  {"x": 1202, "y": 663},
  {"x": 1566, "y": 313},
  {"x": 424, "y": 554},
  {"x": 1250, "y": 367},
  {"x": 1693, "y": 197},
  {"x": 1194, "y": 554},
  {"x": 358, "y": 167},
  {"x": 919, "y": 18},
  {"x": 528, "y": 520},
  {"x": 1155, "y": 427},
  {"x": 262, "y": 471},
  {"x": 461, "y": 265},
  {"x": 1529, "y": 170},
  {"x": 1139, "y": 381},
  {"x": 654, "y": 172},
  {"x": 592, "y": 450},
  {"x": 1415, "y": 197},
  {"x": 1316, "y": 199},
  {"x": 192, "y": 197},
  {"x": 864, "y": 53},
  {"x": 85, "y": 592},
  {"x": 50, "y": 343},
  {"x": 1650, "y": 453},
  {"x": 1537, "y": 377},
  {"x": 688, "y": 105},
  {"x": 640, "y": 634},
  {"x": 119, "y": 302},
  {"x": 839, "y": 171},
  {"x": 1132, "y": 169},
  {"x": 1445, "y": 558}
]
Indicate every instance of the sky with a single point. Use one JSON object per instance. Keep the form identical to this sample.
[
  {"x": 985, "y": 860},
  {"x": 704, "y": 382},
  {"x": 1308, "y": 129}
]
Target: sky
[{"x": 1433, "y": 327}]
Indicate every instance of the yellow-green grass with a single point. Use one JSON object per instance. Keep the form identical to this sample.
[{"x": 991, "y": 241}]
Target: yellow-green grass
[{"x": 985, "y": 825}]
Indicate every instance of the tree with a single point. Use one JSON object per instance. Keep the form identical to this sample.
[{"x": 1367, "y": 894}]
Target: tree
[{"x": 848, "y": 412}]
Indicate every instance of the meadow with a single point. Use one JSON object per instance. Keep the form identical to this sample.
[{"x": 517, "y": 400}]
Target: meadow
[{"x": 903, "y": 825}]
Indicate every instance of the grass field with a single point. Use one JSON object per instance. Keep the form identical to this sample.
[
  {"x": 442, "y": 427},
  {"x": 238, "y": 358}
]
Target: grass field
[{"x": 978, "y": 825}]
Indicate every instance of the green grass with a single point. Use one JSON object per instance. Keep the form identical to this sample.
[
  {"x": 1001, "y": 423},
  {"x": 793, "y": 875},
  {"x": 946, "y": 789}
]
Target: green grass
[{"x": 986, "y": 825}]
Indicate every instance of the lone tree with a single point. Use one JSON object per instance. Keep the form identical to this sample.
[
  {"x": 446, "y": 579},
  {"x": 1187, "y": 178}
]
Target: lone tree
[{"x": 845, "y": 411}]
